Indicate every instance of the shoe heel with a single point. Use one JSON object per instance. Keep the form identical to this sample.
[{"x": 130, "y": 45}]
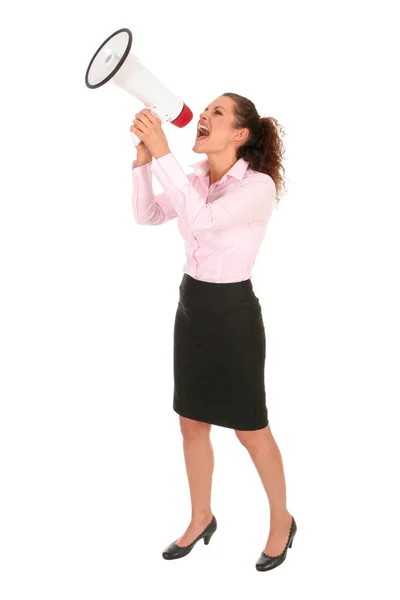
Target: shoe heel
[
  {"x": 207, "y": 539},
  {"x": 290, "y": 545}
]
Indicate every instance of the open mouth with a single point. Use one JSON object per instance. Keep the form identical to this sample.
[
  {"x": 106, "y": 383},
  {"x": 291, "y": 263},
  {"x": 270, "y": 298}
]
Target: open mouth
[{"x": 202, "y": 133}]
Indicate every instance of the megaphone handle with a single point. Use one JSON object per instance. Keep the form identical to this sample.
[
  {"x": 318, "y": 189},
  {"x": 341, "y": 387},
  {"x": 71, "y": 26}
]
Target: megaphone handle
[{"x": 135, "y": 139}]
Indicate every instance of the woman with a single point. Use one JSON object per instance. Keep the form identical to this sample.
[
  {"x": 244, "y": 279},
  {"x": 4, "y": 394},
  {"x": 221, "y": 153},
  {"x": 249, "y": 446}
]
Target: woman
[{"x": 219, "y": 337}]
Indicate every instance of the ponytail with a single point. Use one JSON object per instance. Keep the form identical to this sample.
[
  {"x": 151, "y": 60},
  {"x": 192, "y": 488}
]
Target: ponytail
[{"x": 263, "y": 149}]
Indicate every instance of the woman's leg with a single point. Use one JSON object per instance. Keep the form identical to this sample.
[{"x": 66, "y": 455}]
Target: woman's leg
[
  {"x": 199, "y": 460},
  {"x": 267, "y": 459}
]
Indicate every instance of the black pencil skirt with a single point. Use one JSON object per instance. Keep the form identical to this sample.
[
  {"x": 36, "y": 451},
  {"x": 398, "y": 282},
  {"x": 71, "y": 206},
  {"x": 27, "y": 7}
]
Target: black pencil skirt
[{"x": 219, "y": 354}]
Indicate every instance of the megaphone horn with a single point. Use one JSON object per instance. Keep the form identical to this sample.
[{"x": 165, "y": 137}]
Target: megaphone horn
[{"x": 114, "y": 61}]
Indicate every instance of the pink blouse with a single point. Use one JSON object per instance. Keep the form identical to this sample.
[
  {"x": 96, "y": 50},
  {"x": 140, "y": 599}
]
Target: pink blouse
[{"x": 222, "y": 224}]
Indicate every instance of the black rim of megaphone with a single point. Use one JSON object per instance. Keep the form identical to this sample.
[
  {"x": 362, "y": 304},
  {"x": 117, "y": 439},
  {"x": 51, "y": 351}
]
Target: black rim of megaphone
[{"x": 111, "y": 75}]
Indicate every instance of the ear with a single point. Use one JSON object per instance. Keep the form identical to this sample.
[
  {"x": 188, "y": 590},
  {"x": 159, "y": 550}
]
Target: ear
[{"x": 242, "y": 135}]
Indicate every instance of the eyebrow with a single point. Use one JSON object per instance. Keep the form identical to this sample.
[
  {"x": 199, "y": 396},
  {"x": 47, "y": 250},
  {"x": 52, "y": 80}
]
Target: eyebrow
[{"x": 219, "y": 107}]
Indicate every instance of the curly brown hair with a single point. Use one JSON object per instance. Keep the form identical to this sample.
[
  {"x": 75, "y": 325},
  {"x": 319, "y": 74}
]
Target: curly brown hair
[{"x": 264, "y": 148}]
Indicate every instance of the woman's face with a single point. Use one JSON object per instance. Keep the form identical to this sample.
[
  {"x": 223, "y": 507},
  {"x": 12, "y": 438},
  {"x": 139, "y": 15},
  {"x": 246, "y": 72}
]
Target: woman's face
[{"x": 218, "y": 119}]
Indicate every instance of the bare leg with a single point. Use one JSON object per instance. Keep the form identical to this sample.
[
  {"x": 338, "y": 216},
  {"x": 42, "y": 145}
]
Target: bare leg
[
  {"x": 199, "y": 460},
  {"x": 267, "y": 459}
]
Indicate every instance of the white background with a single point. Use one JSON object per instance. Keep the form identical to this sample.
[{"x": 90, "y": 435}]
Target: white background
[{"x": 92, "y": 470}]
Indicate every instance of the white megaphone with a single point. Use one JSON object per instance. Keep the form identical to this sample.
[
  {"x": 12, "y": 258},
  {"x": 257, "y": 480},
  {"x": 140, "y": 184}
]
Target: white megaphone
[{"x": 113, "y": 60}]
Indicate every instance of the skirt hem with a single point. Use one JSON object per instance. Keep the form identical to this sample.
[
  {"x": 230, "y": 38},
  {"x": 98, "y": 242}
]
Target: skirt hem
[{"x": 220, "y": 423}]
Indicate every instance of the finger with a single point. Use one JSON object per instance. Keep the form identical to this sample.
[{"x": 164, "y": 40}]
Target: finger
[
  {"x": 147, "y": 117},
  {"x": 143, "y": 121},
  {"x": 140, "y": 124},
  {"x": 137, "y": 131},
  {"x": 138, "y": 117},
  {"x": 152, "y": 118}
]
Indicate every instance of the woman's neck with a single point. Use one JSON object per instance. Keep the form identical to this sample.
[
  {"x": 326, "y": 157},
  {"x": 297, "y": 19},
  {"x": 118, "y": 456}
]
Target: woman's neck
[{"x": 219, "y": 165}]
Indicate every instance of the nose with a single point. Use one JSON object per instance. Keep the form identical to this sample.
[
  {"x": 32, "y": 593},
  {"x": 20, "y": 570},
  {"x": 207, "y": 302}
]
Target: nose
[
  {"x": 203, "y": 118},
  {"x": 204, "y": 122}
]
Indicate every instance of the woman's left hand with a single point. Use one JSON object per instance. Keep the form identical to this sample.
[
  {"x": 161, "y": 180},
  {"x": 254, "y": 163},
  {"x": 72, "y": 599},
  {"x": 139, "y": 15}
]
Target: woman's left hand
[{"x": 149, "y": 129}]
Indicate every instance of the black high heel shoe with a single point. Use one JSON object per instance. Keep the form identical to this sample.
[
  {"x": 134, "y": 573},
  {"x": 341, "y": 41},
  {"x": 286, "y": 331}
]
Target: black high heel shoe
[
  {"x": 266, "y": 563},
  {"x": 174, "y": 551}
]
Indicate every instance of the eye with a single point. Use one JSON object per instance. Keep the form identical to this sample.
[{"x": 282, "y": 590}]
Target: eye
[{"x": 217, "y": 112}]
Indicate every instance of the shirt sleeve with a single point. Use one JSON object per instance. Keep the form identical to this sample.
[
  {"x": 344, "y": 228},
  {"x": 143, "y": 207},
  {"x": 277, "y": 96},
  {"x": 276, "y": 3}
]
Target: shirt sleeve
[
  {"x": 252, "y": 199},
  {"x": 149, "y": 209}
]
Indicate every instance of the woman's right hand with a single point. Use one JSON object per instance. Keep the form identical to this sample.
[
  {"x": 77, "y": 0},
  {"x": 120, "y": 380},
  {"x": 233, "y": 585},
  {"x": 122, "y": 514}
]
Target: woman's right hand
[{"x": 143, "y": 155}]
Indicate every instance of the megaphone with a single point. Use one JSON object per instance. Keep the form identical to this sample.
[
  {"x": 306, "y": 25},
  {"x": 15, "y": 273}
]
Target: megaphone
[{"x": 114, "y": 61}]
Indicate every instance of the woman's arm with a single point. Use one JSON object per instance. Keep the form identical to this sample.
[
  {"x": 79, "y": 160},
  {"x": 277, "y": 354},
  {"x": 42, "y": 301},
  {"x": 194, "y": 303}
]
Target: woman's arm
[
  {"x": 149, "y": 209},
  {"x": 252, "y": 199}
]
